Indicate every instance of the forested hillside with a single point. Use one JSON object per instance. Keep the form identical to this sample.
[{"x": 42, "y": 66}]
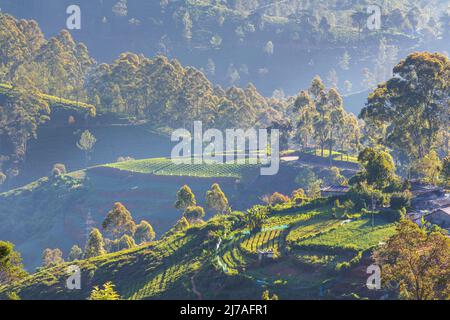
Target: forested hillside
[{"x": 275, "y": 45}]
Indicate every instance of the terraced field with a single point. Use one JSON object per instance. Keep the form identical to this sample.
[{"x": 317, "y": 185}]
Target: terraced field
[
  {"x": 332, "y": 244},
  {"x": 357, "y": 235},
  {"x": 165, "y": 167},
  {"x": 311, "y": 228},
  {"x": 271, "y": 239},
  {"x": 311, "y": 248}
]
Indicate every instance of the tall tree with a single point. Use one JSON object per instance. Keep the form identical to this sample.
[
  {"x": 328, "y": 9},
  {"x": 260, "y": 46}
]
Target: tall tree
[
  {"x": 418, "y": 260},
  {"x": 119, "y": 221},
  {"x": 52, "y": 257},
  {"x": 255, "y": 217},
  {"x": 378, "y": 168},
  {"x": 86, "y": 144},
  {"x": 413, "y": 104},
  {"x": 11, "y": 268},
  {"x": 216, "y": 200},
  {"x": 95, "y": 245},
  {"x": 76, "y": 253},
  {"x": 185, "y": 198},
  {"x": 194, "y": 213},
  {"x": 428, "y": 169},
  {"x": 144, "y": 233},
  {"x": 306, "y": 112}
]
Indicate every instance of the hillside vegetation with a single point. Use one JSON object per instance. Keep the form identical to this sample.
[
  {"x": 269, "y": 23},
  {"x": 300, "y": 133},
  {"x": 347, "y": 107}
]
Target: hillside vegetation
[
  {"x": 54, "y": 211},
  {"x": 312, "y": 251}
]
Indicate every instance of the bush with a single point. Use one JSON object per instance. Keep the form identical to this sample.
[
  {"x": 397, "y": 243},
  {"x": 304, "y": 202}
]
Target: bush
[
  {"x": 299, "y": 196},
  {"x": 362, "y": 195},
  {"x": 401, "y": 200},
  {"x": 58, "y": 169},
  {"x": 194, "y": 213},
  {"x": 277, "y": 198},
  {"x": 391, "y": 214}
]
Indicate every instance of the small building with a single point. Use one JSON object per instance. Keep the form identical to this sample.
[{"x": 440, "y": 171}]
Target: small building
[
  {"x": 440, "y": 217},
  {"x": 425, "y": 191},
  {"x": 265, "y": 254},
  {"x": 335, "y": 191}
]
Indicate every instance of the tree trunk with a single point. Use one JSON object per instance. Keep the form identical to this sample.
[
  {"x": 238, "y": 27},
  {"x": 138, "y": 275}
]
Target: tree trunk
[{"x": 331, "y": 150}]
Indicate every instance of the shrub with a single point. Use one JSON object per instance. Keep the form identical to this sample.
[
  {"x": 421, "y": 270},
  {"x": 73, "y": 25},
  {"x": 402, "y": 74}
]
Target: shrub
[
  {"x": 299, "y": 196},
  {"x": 401, "y": 200},
  {"x": 75, "y": 253},
  {"x": 58, "y": 169},
  {"x": 144, "y": 233},
  {"x": 107, "y": 293},
  {"x": 278, "y": 198},
  {"x": 194, "y": 213}
]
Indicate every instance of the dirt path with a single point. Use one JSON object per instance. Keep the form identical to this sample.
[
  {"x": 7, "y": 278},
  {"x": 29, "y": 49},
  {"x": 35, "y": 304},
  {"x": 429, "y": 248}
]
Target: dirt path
[{"x": 194, "y": 288}]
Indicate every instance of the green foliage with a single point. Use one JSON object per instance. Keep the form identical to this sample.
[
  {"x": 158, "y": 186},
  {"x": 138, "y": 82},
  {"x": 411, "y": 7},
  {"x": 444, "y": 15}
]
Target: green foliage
[
  {"x": 86, "y": 143},
  {"x": 446, "y": 170},
  {"x": 401, "y": 200},
  {"x": 165, "y": 167},
  {"x": 306, "y": 178},
  {"x": 255, "y": 218},
  {"x": 354, "y": 236},
  {"x": 144, "y": 232},
  {"x": 365, "y": 196},
  {"x": 22, "y": 112},
  {"x": 95, "y": 245},
  {"x": 107, "y": 293},
  {"x": 216, "y": 200},
  {"x": 11, "y": 268},
  {"x": 181, "y": 224},
  {"x": 126, "y": 242},
  {"x": 409, "y": 105},
  {"x": 76, "y": 253},
  {"x": 163, "y": 91},
  {"x": 12, "y": 296},
  {"x": 321, "y": 117},
  {"x": 168, "y": 268},
  {"x": 185, "y": 198},
  {"x": 378, "y": 169},
  {"x": 194, "y": 213},
  {"x": 277, "y": 198},
  {"x": 266, "y": 296},
  {"x": 119, "y": 221},
  {"x": 417, "y": 260},
  {"x": 428, "y": 169},
  {"x": 342, "y": 210},
  {"x": 299, "y": 196},
  {"x": 52, "y": 257}
]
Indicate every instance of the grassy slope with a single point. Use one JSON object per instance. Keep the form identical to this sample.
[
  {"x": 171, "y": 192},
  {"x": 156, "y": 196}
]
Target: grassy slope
[
  {"x": 56, "y": 102},
  {"x": 53, "y": 213},
  {"x": 168, "y": 268},
  {"x": 165, "y": 167}
]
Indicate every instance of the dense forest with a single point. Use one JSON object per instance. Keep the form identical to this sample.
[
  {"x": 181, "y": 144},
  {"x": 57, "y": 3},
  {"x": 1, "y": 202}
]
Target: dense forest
[{"x": 236, "y": 42}]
